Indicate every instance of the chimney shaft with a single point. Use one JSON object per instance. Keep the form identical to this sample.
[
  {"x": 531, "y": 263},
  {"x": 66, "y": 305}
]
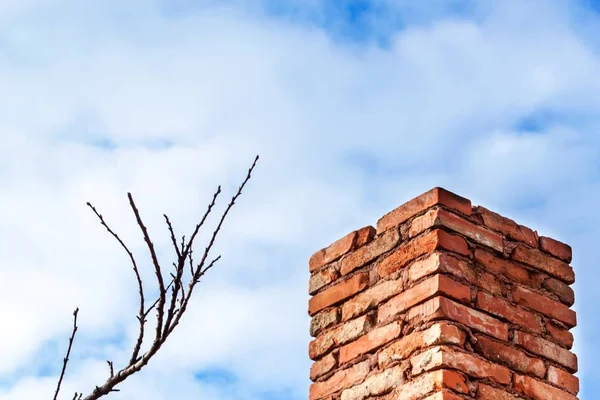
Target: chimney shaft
[{"x": 443, "y": 301}]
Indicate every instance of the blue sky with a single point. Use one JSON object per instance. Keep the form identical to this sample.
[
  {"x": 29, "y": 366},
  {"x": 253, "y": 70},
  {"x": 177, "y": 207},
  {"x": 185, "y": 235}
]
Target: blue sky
[{"x": 354, "y": 106}]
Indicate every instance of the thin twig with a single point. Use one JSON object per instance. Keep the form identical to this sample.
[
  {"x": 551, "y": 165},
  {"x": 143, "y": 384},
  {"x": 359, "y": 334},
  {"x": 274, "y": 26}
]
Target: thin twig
[
  {"x": 141, "y": 313},
  {"x": 157, "y": 271},
  {"x": 111, "y": 367},
  {"x": 198, "y": 272},
  {"x": 66, "y": 359},
  {"x": 229, "y": 206},
  {"x": 170, "y": 226}
]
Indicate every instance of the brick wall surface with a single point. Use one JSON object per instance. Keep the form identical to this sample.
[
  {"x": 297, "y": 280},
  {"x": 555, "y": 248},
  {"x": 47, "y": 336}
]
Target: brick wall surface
[{"x": 442, "y": 301}]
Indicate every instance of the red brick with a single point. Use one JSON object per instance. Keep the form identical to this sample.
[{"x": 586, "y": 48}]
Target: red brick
[
  {"x": 337, "y": 293},
  {"x": 562, "y": 290},
  {"x": 323, "y": 366},
  {"x": 322, "y": 278},
  {"x": 332, "y": 253},
  {"x": 489, "y": 282},
  {"x": 371, "y": 251},
  {"x": 338, "y": 336},
  {"x": 440, "y": 217},
  {"x": 423, "y": 244},
  {"x": 439, "y": 333},
  {"x": 371, "y": 341},
  {"x": 563, "y": 379},
  {"x": 502, "y": 267},
  {"x": 547, "y": 349},
  {"x": 324, "y": 320},
  {"x": 441, "y": 262},
  {"x": 443, "y": 308},
  {"x": 364, "y": 236},
  {"x": 515, "y": 359},
  {"x": 507, "y": 227},
  {"x": 537, "y": 390},
  {"x": 444, "y": 395},
  {"x": 430, "y": 382},
  {"x": 436, "y": 196},
  {"x": 434, "y": 263},
  {"x": 557, "y": 249},
  {"x": 446, "y": 357},
  {"x": 545, "y": 306},
  {"x": 370, "y": 298},
  {"x": 536, "y": 259},
  {"x": 485, "y": 392},
  {"x": 375, "y": 385},
  {"x": 338, "y": 381},
  {"x": 503, "y": 309},
  {"x": 435, "y": 285},
  {"x": 562, "y": 336}
]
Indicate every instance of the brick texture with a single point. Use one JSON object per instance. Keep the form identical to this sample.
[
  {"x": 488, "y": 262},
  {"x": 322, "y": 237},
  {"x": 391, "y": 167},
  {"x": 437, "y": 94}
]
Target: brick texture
[{"x": 442, "y": 301}]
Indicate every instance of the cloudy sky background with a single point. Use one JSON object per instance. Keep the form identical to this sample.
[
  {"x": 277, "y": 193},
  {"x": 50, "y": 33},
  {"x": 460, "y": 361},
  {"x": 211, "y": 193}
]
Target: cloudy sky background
[{"x": 354, "y": 106}]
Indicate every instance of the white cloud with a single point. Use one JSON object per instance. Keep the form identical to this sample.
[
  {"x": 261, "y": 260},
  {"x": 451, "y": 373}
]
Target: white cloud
[{"x": 438, "y": 106}]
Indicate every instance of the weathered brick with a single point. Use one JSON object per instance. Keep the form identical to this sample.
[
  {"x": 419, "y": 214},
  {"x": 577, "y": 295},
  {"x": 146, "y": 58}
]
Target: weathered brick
[
  {"x": 430, "y": 382},
  {"x": 437, "y": 334},
  {"x": 489, "y": 282},
  {"x": 538, "y": 390},
  {"x": 436, "y": 262},
  {"x": 515, "y": 359},
  {"x": 557, "y": 249},
  {"x": 442, "y": 262},
  {"x": 563, "y": 379},
  {"x": 324, "y": 320},
  {"x": 436, "y": 196},
  {"x": 562, "y": 290},
  {"x": 339, "y": 381},
  {"x": 375, "y": 385},
  {"x": 369, "y": 252},
  {"x": 423, "y": 244},
  {"x": 332, "y": 253},
  {"x": 486, "y": 392},
  {"x": 502, "y": 267},
  {"x": 545, "y": 306},
  {"x": 323, "y": 366},
  {"x": 503, "y": 309},
  {"x": 364, "y": 236},
  {"x": 443, "y": 395},
  {"x": 435, "y": 285},
  {"x": 442, "y": 218},
  {"x": 562, "y": 336},
  {"x": 536, "y": 259},
  {"x": 447, "y": 357},
  {"x": 547, "y": 349},
  {"x": 507, "y": 227},
  {"x": 443, "y": 308},
  {"x": 371, "y": 341},
  {"x": 338, "y": 293},
  {"x": 338, "y": 336},
  {"x": 370, "y": 298},
  {"x": 322, "y": 278}
]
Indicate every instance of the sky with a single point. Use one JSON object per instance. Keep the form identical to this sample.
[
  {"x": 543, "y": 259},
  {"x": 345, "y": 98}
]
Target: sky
[{"x": 355, "y": 107}]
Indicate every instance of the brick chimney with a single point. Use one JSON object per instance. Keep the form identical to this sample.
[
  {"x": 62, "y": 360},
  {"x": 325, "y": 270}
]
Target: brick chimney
[{"x": 443, "y": 301}]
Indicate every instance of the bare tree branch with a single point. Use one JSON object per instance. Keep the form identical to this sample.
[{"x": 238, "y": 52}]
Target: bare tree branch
[
  {"x": 66, "y": 359},
  {"x": 178, "y": 298},
  {"x": 111, "y": 367},
  {"x": 157, "y": 271},
  {"x": 141, "y": 314},
  {"x": 198, "y": 272},
  {"x": 172, "y": 235}
]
